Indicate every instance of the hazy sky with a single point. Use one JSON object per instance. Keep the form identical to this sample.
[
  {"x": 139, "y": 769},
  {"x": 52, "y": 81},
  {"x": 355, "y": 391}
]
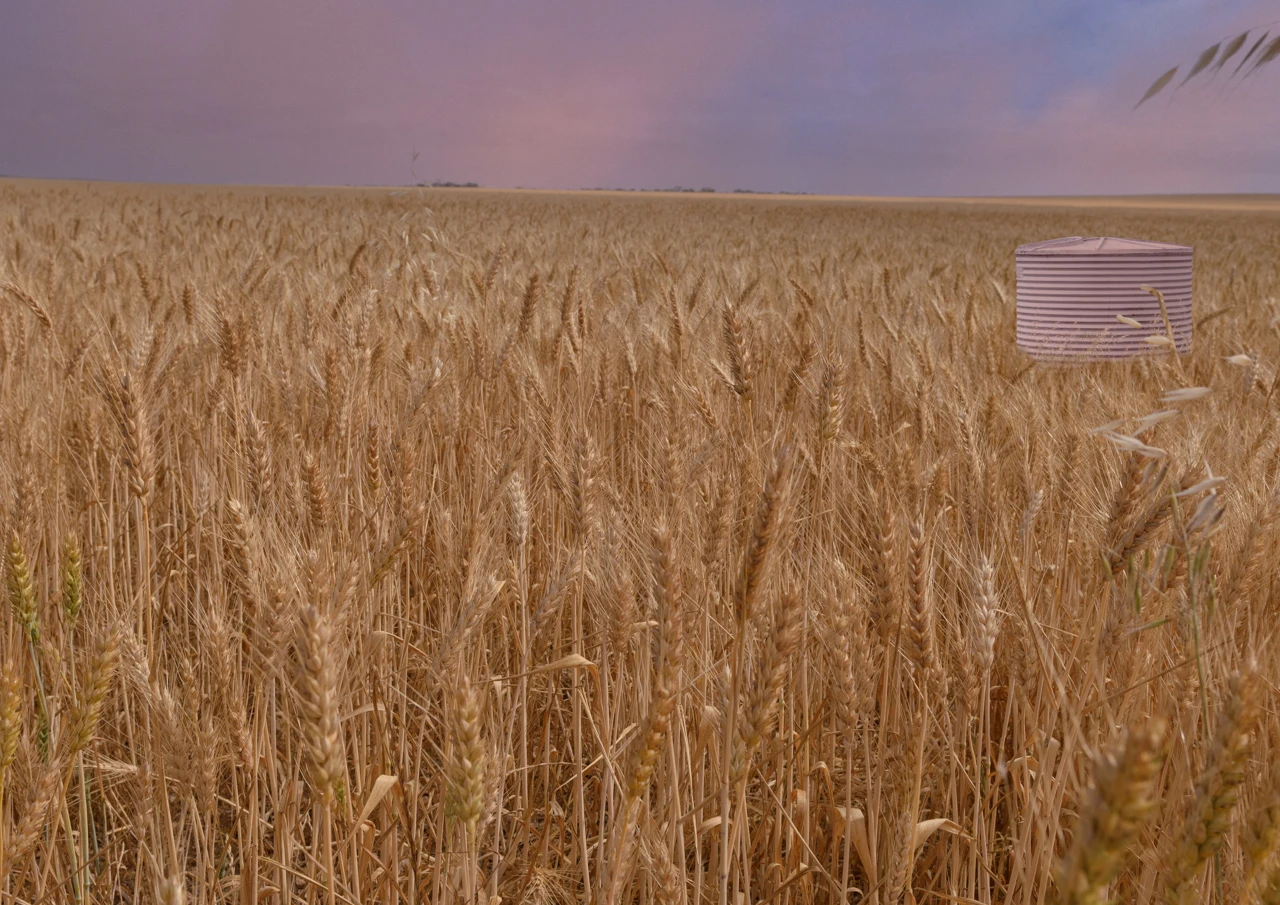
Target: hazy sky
[{"x": 901, "y": 97}]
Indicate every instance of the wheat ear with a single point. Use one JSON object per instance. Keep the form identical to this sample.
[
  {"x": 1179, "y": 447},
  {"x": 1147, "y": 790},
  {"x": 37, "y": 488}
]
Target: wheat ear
[
  {"x": 657, "y": 722},
  {"x": 84, "y": 719},
  {"x": 1117, "y": 807},
  {"x": 317, "y": 688},
  {"x": 1217, "y": 791}
]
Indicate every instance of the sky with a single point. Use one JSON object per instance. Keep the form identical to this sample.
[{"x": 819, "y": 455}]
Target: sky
[{"x": 862, "y": 97}]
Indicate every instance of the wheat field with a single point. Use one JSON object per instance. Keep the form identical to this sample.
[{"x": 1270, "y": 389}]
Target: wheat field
[{"x": 439, "y": 546}]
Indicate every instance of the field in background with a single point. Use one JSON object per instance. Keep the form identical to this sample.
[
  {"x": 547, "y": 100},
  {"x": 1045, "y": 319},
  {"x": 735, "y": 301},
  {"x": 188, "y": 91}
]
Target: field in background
[{"x": 476, "y": 546}]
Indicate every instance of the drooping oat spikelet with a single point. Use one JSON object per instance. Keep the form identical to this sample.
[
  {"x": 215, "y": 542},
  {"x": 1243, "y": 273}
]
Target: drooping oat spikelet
[
  {"x": 88, "y": 710},
  {"x": 22, "y": 595},
  {"x": 1119, "y": 803},
  {"x": 466, "y": 771},
  {"x": 72, "y": 581},
  {"x": 316, "y": 678},
  {"x": 1217, "y": 791}
]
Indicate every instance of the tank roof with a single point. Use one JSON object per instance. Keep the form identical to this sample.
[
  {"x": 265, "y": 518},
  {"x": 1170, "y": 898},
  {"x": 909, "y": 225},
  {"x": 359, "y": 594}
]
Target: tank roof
[{"x": 1101, "y": 245}]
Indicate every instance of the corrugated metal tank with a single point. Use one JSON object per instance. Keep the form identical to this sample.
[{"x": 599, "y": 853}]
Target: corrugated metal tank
[{"x": 1071, "y": 290}]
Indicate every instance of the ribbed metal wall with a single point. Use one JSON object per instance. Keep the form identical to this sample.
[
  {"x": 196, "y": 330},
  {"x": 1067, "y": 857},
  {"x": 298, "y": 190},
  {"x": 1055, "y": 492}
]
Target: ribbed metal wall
[{"x": 1070, "y": 291}]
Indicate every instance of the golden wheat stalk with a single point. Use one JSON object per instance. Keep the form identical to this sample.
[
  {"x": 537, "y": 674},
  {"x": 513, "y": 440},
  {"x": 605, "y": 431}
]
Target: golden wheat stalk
[
  {"x": 1118, "y": 805},
  {"x": 1217, "y": 791},
  {"x": 316, "y": 679}
]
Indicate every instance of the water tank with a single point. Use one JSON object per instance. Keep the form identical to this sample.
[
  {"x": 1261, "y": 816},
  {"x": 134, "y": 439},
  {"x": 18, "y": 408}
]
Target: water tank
[{"x": 1072, "y": 291}]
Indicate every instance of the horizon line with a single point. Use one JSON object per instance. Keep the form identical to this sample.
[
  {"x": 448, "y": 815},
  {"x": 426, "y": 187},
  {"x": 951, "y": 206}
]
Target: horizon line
[{"x": 1243, "y": 201}]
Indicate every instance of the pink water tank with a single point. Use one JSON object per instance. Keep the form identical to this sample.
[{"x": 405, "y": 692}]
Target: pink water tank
[{"x": 1072, "y": 293}]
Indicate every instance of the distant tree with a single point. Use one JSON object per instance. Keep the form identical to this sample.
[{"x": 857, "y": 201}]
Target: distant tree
[{"x": 1261, "y": 52}]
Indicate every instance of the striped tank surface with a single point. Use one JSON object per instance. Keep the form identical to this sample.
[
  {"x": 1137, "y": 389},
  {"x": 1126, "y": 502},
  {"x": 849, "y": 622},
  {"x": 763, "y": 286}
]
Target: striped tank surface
[{"x": 1082, "y": 299}]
